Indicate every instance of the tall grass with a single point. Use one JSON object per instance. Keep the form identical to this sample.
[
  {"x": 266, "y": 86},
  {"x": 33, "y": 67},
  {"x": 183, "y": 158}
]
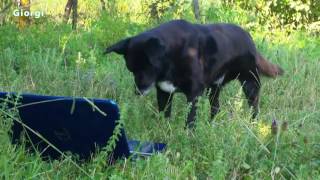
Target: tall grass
[{"x": 48, "y": 58}]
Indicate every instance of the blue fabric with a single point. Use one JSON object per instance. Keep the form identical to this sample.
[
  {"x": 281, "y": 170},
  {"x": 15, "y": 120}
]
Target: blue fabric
[{"x": 138, "y": 148}]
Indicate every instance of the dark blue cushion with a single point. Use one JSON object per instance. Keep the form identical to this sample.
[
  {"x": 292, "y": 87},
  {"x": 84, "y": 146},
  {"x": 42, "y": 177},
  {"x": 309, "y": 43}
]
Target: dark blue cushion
[
  {"x": 77, "y": 125},
  {"x": 70, "y": 124}
]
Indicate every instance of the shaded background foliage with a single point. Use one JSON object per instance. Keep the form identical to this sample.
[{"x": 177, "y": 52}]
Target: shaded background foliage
[
  {"x": 289, "y": 14},
  {"x": 297, "y": 14}
]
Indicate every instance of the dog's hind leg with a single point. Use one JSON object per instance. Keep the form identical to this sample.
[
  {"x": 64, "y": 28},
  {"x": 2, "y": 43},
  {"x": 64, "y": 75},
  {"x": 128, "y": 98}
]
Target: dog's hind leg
[
  {"x": 251, "y": 86},
  {"x": 164, "y": 102},
  {"x": 214, "y": 99}
]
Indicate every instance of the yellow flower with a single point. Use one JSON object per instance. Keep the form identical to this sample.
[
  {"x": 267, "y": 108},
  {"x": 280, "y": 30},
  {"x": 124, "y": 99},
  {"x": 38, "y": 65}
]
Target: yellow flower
[{"x": 263, "y": 130}]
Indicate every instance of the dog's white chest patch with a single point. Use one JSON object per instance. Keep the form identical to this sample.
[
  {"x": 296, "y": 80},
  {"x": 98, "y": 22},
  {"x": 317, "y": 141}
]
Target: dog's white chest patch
[
  {"x": 166, "y": 86},
  {"x": 219, "y": 80}
]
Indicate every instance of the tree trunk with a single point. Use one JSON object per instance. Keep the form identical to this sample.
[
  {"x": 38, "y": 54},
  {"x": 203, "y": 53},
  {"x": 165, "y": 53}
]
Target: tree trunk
[
  {"x": 154, "y": 11},
  {"x": 103, "y": 5},
  {"x": 67, "y": 11},
  {"x": 74, "y": 14},
  {"x": 3, "y": 12},
  {"x": 196, "y": 10},
  {"x": 71, "y": 5}
]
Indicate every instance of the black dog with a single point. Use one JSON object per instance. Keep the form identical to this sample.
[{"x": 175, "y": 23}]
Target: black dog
[{"x": 180, "y": 56}]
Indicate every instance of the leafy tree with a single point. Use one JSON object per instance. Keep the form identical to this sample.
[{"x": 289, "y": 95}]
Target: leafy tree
[{"x": 295, "y": 14}]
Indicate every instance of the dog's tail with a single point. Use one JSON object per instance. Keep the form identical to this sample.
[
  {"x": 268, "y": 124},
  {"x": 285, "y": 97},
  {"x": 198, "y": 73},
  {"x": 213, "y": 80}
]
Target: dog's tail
[{"x": 268, "y": 69}]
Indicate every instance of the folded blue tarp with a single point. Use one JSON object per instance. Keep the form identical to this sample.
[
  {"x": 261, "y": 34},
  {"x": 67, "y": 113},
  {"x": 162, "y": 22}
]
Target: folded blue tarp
[{"x": 78, "y": 125}]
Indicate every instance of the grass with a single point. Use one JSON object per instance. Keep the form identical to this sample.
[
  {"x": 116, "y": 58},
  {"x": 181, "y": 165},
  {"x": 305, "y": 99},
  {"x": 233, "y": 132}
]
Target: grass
[{"x": 48, "y": 58}]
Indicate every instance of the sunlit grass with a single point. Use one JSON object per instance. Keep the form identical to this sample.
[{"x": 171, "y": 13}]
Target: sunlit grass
[{"x": 52, "y": 59}]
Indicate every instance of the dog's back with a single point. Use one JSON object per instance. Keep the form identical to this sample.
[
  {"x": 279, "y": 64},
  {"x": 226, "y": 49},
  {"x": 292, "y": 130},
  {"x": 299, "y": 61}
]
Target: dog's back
[
  {"x": 220, "y": 47},
  {"x": 231, "y": 38},
  {"x": 175, "y": 34},
  {"x": 235, "y": 51}
]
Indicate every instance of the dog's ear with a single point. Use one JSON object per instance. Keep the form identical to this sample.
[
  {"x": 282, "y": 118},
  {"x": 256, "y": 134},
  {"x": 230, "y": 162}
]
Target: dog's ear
[
  {"x": 155, "y": 50},
  {"x": 119, "y": 47}
]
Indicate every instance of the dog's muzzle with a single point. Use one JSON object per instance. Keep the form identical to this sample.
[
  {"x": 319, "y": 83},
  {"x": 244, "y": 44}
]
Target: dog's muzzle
[{"x": 143, "y": 91}]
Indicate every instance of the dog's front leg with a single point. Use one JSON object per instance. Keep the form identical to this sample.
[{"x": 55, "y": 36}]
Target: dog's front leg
[
  {"x": 164, "y": 102},
  {"x": 193, "y": 99},
  {"x": 192, "y": 114}
]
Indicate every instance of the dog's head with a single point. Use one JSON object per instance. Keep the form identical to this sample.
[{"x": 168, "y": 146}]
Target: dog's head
[{"x": 143, "y": 56}]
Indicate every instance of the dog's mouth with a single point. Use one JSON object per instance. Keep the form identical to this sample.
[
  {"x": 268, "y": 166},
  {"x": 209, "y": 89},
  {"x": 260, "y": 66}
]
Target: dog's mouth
[{"x": 144, "y": 91}]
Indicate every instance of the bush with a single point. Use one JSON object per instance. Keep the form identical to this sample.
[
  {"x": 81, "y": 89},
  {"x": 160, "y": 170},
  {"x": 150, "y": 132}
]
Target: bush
[{"x": 294, "y": 14}]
